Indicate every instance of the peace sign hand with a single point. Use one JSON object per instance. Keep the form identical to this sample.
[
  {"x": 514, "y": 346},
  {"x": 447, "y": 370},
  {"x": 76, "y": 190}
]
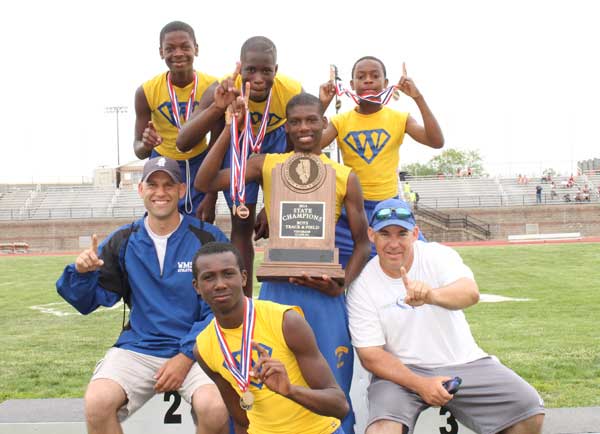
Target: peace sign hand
[
  {"x": 270, "y": 371},
  {"x": 88, "y": 260},
  {"x": 407, "y": 85},
  {"x": 417, "y": 292}
]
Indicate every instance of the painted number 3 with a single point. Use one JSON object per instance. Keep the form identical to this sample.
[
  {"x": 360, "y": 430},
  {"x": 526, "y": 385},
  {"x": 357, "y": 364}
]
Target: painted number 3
[
  {"x": 170, "y": 416},
  {"x": 450, "y": 421}
]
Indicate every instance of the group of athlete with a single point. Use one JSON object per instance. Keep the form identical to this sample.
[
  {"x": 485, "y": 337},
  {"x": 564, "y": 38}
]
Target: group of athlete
[{"x": 282, "y": 362}]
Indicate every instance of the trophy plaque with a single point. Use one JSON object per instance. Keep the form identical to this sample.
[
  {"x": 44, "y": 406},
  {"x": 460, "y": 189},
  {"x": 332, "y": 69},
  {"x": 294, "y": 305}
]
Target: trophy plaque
[{"x": 301, "y": 221}]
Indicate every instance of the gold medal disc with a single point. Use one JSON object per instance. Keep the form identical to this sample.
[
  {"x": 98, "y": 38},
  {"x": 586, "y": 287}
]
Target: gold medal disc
[{"x": 247, "y": 400}]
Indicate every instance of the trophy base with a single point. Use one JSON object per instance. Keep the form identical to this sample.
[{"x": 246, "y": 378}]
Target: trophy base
[{"x": 282, "y": 271}]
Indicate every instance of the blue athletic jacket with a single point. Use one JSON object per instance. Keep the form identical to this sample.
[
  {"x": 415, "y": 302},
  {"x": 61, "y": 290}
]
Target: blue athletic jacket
[{"x": 166, "y": 313}]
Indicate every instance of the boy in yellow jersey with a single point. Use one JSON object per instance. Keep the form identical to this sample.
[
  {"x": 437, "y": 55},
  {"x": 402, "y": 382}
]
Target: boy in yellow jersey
[
  {"x": 321, "y": 300},
  {"x": 258, "y": 66},
  {"x": 286, "y": 385},
  {"x": 164, "y": 103},
  {"x": 370, "y": 136}
]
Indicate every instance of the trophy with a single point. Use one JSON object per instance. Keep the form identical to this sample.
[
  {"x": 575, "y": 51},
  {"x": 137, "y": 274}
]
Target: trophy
[{"x": 301, "y": 221}]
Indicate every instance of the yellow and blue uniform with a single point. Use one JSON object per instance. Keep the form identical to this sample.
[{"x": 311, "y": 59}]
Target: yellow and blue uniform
[
  {"x": 370, "y": 145},
  {"x": 271, "y": 412},
  {"x": 326, "y": 315},
  {"x": 163, "y": 118},
  {"x": 284, "y": 89}
]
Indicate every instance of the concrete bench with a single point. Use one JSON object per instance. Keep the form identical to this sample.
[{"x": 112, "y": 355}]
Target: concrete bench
[
  {"x": 160, "y": 416},
  {"x": 544, "y": 237},
  {"x": 14, "y": 247}
]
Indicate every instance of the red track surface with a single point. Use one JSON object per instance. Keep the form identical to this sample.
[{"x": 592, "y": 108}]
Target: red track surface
[{"x": 454, "y": 244}]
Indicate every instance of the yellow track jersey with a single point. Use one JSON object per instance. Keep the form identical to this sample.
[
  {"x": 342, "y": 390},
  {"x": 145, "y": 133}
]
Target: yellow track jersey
[
  {"x": 162, "y": 114},
  {"x": 271, "y": 412},
  {"x": 370, "y": 145},
  {"x": 284, "y": 89},
  {"x": 341, "y": 179}
]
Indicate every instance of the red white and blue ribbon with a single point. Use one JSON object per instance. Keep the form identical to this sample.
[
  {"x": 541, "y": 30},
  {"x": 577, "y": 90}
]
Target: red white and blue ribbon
[
  {"x": 382, "y": 97},
  {"x": 241, "y": 374},
  {"x": 239, "y": 152},
  {"x": 175, "y": 103},
  {"x": 239, "y": 157},
  {"x": 256, "y": 142}
]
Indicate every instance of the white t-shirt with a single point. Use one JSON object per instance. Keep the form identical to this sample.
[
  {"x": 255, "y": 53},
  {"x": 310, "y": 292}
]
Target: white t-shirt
[
  {"x": 428, "y": 336},
  {"x": 160, "y": 241}
]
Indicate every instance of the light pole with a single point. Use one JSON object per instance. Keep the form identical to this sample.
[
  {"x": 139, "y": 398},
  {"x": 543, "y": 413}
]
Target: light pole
[{"x": 116, "y": 110}]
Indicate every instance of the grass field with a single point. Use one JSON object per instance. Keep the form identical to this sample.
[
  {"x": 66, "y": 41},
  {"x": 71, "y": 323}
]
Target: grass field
[{"x": 552, "y": 340}]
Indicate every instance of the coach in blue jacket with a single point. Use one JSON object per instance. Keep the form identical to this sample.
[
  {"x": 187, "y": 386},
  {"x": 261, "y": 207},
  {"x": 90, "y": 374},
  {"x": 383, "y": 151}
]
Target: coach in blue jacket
[{"x": 148, "y": 264}]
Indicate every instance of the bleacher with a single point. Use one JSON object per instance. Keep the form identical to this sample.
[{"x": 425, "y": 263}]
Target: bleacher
[
  {"x": 18, "y": 202},
  {"x": 478, "y": 192}
]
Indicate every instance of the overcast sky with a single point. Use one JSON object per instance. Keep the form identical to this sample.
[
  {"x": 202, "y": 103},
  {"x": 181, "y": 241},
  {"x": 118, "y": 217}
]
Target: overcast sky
[{"x": 517, "y": 80}]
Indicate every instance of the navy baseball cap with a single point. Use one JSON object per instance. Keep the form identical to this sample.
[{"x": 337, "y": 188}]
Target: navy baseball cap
[
  {"x": 392, "y": 212},
  {"x": 167, "y": 165}
]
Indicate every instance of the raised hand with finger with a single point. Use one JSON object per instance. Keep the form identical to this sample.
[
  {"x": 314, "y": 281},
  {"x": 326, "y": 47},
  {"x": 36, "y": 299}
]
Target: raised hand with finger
[
  {"x": 225, "y": 93},
  {"x": 407, "y": 85},
  {"x": 270, "y": 371},
  {"x": 417, "y": 292},
  {"x": 88, "y": 260},
  {"x": 150, "y": 137}
]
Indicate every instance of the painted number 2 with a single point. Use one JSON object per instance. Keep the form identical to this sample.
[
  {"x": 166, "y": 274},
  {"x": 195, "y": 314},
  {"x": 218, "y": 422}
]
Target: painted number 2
[
  {"x": 449, "y": 421},
  {"x": 170, "y": 416}
]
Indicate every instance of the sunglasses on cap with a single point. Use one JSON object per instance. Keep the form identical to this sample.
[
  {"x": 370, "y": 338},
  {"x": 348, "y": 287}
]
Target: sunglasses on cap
[{"x": 388, "y": 213}]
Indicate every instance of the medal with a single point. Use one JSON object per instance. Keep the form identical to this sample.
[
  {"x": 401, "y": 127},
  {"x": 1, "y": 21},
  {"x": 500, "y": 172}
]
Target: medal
[
  {"x": 242, "y": 211},
  {"x": 247, "y": 400},
  {"x": 382, "y": 97},
  {"x": 241, "y": 371},
  {"x": 189, "y": 107}
]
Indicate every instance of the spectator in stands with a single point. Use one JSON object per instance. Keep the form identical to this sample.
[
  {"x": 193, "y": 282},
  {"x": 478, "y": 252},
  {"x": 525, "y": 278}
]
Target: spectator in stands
[
  {"x": 579, "y": 195},
  {"x": 408, "y": 327},
  {"x": 406, "y": 189},
  {"x": 567, "y": 197},
  {"x": 599, "y": 192},
  {"x": 586, "y": 192},
  {"x": 164, "y": 103},
  {"x": 538, "y": 194},
  {"x": 553, "y": 194},
  {"x": 520, "y": 179},
  {"x": 571, "y": 181},
  {"x": 148, "y": 264},
  {"x": 469, "y": 172}
]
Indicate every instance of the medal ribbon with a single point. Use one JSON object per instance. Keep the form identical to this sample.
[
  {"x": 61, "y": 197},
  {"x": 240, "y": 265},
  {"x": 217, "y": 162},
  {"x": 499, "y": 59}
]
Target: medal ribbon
[
  {"x": 256, "y": 142},
  {"x": 237, "y": 177},
  {"x": 234, "y": 153},
  {"x": 175, "y": 103},
  {"x": 241, "y": 375},
  {"x": 382, "y": 97}
]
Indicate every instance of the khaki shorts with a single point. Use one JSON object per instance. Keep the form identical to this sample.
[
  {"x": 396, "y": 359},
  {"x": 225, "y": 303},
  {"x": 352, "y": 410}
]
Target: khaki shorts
[
  {"x": 491, "y": 397},
  {"x": 134, "y": 372}
]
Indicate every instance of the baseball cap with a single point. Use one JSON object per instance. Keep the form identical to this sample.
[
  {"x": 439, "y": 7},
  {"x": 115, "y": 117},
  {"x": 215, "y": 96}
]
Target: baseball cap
[
  {"x": 167, "y": 165},
  {"x": 392, "y": 212}
]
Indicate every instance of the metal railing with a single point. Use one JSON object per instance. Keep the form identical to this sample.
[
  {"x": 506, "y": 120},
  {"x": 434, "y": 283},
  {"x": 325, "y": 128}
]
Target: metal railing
[
  {"x": 466, "y": 222},
  {"x": 70, "y": 213}
]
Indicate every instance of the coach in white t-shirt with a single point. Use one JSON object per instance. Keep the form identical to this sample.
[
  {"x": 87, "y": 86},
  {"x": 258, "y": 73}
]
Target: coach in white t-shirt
[{"x": 407, "y": 325}]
